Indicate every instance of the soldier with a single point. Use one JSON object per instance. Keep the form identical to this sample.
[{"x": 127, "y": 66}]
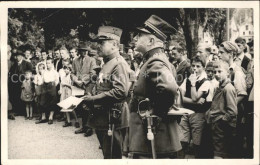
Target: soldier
[
  {"x": 109, "y": 111},
  {"x": 155, "y": 83}
]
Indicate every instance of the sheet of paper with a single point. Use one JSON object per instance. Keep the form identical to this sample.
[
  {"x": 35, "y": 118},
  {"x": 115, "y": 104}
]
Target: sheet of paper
[
  {"x": 70, "y": 103},
  {"x": 181, "y": 111},
  {"x": 77, "y": 91},
  {"x": 66, "y": 110}
]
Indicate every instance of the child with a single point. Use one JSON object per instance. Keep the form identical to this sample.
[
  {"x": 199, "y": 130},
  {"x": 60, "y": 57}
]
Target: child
[
  {"x": 213, "y": 82},
  {"x": 223, "y": 113},
  {"x": 27, "y": 94},
  {"x": 38, "y": 81},
  {"x": 194, "y": 92},
  {"x": 65, "y": 91},
  {"x": 49, "y": 96}
]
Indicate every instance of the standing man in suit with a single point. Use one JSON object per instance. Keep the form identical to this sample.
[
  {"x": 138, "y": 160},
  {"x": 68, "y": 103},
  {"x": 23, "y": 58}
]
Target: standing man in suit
[
  {"x": 109, "y": 112},
  {"x": 156, "y": 84},
  {"x": 241, "y": 59},
  {"x": 16, "y": 77},
  {"x": 82, "y": 73},
  {"x": 182, "y": 65},
  {"x": 57, "y": 60}
]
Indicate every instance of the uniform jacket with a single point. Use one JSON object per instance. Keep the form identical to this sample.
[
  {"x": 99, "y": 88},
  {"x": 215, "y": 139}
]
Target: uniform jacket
[
  {"x": 113, "y": 85},
  {"x": 83, "y": 72},
  {"x": 156, "y": 82}
]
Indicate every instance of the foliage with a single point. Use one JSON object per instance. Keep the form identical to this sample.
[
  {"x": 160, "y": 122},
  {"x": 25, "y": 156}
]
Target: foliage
[{"x": 24, "y": 29}]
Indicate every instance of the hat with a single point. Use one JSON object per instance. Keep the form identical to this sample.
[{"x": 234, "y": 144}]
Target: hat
[
  {"x": 240, "y": 40},
  {"x": 93, "y": 53},
  {"x": 19, "y": 52},
  {"x": 84, "y": 46},
  {"x": 158, "y": 27},
  {"x": 109, "y": 33}
]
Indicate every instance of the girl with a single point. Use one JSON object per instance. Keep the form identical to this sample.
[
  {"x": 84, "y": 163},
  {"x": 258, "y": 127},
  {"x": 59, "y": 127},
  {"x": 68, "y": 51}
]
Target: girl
[
  {"x": 38, "y": 81},
  {"x": 65, "y": 91},
  {"x": 49, "y": 97},
  {"x": 27, "y": 94}
]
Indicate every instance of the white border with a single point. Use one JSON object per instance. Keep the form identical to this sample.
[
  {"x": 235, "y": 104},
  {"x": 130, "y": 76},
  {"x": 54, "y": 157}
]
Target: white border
[{"x": 121, "y": 4}]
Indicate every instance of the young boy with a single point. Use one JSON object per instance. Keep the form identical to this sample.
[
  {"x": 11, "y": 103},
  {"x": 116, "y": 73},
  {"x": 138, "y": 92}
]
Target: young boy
[
  {"x": 223, "y": 113},
  {"x": 194, "y": 91}
]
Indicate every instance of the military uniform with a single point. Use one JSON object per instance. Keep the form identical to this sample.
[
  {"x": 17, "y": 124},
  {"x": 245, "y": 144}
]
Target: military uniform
[
  {"x": 110, "y": 95},
  {"x": 157, "y": 83}
]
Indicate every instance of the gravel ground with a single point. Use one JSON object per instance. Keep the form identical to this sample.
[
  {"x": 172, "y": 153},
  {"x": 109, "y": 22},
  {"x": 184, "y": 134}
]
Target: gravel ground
[{"x": 28, "y": 140}]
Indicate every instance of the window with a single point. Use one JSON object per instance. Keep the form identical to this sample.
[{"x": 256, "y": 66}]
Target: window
[
  {"x": 244, "y": 33},
  {"x": 249, "y": 32},
  {"x": 246, "y": 27}
]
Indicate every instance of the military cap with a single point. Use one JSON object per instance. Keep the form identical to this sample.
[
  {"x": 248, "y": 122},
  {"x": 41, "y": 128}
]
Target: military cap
[
  {"x": 109, "y": 33},
  {"x": 84, "y": 46},
  {"x": 158, "y": 27}
]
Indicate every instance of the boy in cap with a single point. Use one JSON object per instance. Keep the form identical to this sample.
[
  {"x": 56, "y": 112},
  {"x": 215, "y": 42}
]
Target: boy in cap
[
  {"x": 109, "y": 111},
  {"x": 155, "y": 84},
  {"x": 228, "y": 51}
]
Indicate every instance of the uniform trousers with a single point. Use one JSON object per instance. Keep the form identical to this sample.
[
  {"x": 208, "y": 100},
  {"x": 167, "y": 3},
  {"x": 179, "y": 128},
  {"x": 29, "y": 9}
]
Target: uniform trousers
[{"x": 105, "y": 143}]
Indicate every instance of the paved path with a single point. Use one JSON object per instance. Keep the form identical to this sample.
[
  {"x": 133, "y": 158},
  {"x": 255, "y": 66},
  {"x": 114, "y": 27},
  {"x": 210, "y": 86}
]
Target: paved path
[{"x": 28, "y": 140}]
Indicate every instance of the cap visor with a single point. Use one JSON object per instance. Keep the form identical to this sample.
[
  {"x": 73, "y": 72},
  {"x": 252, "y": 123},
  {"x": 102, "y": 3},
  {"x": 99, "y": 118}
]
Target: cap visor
[
  {"x": 100, "y": 38},
  {"x": 141, "y": 29}
]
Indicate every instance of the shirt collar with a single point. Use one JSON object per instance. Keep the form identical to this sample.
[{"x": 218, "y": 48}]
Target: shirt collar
[
  {"x": 20, "y": 62},
  {"x": 202, "y": 76},
  {"x": 223, "y": 84},
  {"x": 241, "y": 56}
]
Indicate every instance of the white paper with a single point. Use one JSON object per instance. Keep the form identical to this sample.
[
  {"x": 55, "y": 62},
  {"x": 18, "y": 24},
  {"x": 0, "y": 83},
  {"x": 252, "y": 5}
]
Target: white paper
[
  {"x": 181, "y": 111},
  {"x": 70, "y": 103}
]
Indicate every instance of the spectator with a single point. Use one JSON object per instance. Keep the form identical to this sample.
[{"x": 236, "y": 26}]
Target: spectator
[
  {"x": 16, "y": 78},
  {"x": 223, "y": 113},
  {"x": 241, "y": 58},
  {"x": 194, "y": 91}
]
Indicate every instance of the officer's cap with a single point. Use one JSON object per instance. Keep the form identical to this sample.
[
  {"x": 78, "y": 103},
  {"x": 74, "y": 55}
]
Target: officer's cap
[
  {"x": 158, "y": 27},
  {"x": 109, "y": 33}
]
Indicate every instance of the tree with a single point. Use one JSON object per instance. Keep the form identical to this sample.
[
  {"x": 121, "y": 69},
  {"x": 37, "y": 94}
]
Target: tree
[{"x": 24, "y": 29}]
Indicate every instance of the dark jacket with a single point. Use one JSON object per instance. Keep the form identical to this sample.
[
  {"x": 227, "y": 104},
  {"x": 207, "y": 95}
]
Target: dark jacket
[
  {"x": 245, "y": 62},
  {"x": 183, "y": 71},
  {"x": 155, "y": 82},
  {"x": 17, "y": 72}
]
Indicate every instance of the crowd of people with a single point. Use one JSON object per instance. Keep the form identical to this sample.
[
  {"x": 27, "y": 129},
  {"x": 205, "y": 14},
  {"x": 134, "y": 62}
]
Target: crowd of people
[{"x": 217, "y": 83}]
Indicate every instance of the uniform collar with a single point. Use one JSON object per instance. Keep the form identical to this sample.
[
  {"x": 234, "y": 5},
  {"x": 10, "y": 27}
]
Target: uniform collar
[
  {"x": 110, "y": 57},
  {"x": 151, "y": 52},
  {"x": 224, "y": 83}
]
